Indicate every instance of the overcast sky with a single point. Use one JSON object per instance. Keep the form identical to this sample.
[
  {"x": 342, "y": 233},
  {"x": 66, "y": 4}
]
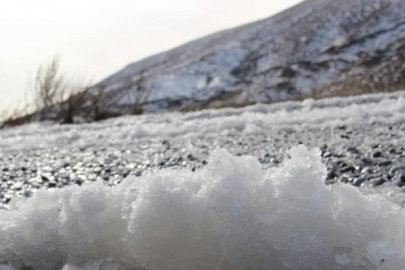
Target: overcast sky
[{"x": 98, "y": 37}]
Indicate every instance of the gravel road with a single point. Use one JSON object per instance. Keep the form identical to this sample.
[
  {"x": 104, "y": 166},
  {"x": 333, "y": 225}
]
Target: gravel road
[{"x": 365, "y": 149}]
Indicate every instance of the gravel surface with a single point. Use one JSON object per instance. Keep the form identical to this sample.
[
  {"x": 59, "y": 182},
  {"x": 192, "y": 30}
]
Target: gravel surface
[{"x": 360, "y": 153}]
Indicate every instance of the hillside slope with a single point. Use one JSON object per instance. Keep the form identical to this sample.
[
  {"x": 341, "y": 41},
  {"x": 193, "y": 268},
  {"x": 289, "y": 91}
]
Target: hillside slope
[{"x": 317, "y": 48}]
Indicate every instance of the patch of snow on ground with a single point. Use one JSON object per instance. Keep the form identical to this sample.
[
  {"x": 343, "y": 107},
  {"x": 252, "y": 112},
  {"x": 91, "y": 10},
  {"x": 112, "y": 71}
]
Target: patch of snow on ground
[
  {"x": 252, "y": 119},
  {"x": 229, "y": 215}
]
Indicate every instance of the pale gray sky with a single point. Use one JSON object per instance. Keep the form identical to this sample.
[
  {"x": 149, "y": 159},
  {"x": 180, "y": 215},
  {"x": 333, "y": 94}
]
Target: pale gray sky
[{"x": 98, "y": 37}]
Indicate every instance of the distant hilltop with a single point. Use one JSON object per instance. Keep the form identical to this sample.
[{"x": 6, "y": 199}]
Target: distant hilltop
[{"x": 319, "y": 48}]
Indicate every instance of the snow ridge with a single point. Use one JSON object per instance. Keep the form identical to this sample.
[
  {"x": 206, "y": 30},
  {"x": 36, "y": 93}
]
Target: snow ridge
[{"x": 229, "y": 215}]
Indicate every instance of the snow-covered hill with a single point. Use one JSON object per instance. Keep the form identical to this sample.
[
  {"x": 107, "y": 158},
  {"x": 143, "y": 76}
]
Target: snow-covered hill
[{"x": 318, "y": 48}]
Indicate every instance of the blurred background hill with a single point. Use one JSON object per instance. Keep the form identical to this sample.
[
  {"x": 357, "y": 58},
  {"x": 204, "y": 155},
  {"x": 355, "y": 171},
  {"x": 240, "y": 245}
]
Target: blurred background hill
[{"x": 318, "y": 48}]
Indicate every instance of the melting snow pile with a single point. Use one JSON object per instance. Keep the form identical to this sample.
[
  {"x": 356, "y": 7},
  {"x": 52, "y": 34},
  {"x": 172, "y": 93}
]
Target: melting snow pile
[{"x": 229, "y": 215}]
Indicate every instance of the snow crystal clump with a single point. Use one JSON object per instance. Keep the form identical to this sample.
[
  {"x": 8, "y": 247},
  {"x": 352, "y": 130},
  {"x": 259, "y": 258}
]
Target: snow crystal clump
[{"x": 229, "y": 215}]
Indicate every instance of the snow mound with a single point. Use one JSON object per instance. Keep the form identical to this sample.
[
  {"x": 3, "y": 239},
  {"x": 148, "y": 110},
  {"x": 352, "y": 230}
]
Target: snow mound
[{"x": 229, "y": 215}]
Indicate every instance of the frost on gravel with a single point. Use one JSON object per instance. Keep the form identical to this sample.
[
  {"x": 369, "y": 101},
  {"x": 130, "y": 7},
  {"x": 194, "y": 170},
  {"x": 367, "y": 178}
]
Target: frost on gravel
[
  {"x": 229, "y": 215},
  {"x": 255, "y": 119}
]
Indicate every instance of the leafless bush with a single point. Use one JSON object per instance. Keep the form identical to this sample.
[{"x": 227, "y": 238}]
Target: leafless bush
[
  {"x": 57, "y": 97},
  {"x": 49, "y": 86},
  {"x": 14, "y": 114},
  {"x": 73, "y": 105},
  {"x": 65, "y": 99},
  {"x": 52, "y": 96}
]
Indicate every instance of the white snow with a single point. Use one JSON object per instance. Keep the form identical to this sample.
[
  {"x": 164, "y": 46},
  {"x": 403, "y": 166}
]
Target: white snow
[
  {"x": 253, "y": 119},
  {"x": 303, "y": 34},
  {"x": 401, "y": 104},
  {"x": 229, "y": 215}
]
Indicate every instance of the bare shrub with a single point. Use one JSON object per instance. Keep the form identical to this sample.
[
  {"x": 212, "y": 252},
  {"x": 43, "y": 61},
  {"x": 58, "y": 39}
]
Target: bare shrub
[
  {"x": 14, "y": 114},
  {"x": 73, "y": 104},
  {"x": 65, "y": 99},
  {"x": 49, "y": 86},
  {"x": 57, "y": 97},
  {"x": 52, "y": 95}
]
